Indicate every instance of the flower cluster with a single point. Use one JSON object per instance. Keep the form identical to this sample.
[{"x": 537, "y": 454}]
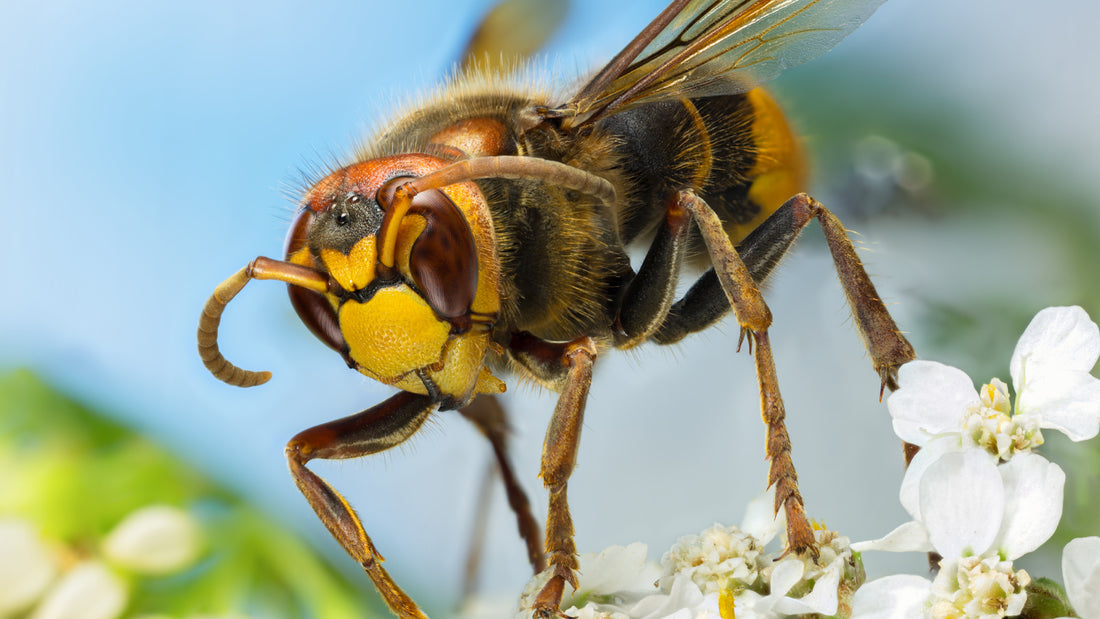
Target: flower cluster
[
  {"x": 979, "y": 496},
  {"x": 720, "y": 572},
  {"x": 91, "y": 528},
  {"x": 49, "y": 580}
]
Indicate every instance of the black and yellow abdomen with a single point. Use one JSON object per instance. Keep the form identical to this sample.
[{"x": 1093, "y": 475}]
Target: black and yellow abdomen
[{"x": 738, "y": 152}]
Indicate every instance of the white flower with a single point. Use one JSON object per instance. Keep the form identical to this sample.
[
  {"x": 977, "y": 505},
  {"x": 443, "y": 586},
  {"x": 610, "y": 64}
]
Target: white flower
[
  {"x": 87, "y": 591},
  {"x": 1081, "y": 571},
  {"x": 902, "y": 596},
  {"x": 158, "y": 539},
  {"x": 718, "y": 558},
  {"x": 618, "y": 569},
  {"x": 728, "y": 561},
  {"x": 970, "y": 506},
  {"x": 723, "y": 554},
  {"x": 27, "y": 566},
  {"x": 786, "y": 575},
  {"x": 616, "y": 577},
  {"x": 979, "y": 587},
  {"x": 979, "y": 517},
  {"x": 723, "y": 567},
  {"x": 969, "y": 587},
  {"x": 683, "y": 600},
  {"x": 1050, "y": 373},
  {"x": 203, "y": 616},
  {"x": 937, "y": 408}
]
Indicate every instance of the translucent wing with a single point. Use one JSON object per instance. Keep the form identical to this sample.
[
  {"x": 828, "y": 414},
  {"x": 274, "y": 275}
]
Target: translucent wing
[
  {"x": 710, "y": 47},
  {"x": 512, "y": 31}
]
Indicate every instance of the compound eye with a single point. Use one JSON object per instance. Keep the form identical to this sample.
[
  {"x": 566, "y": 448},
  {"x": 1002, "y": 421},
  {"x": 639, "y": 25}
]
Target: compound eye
[
  {"x": 443, "y": 257},
  {"x": 443, "y": 261},
  {"x": 312, "y": 307},
  {"x": 297, "y": 237}
]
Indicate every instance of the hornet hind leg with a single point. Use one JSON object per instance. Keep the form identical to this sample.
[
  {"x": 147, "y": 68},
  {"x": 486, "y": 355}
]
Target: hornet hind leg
[{"x": 733, "y": 284}]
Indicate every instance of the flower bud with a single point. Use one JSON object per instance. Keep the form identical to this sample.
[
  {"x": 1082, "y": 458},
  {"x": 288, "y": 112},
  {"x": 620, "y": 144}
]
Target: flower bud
[
  {"x": 87, "y": 591},
  {"x": 158, "y": 539},
  {"x": 27, "y": 566}
]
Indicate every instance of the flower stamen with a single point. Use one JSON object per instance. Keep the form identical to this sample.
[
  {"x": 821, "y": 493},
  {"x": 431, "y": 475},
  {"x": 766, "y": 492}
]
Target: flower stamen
[
  {"x": 990, "y": 424},
  {"x": 978, "y": 587}
]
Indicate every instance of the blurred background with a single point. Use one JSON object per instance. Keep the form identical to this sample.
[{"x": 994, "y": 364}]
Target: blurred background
[{"x": 146, "y": 150}]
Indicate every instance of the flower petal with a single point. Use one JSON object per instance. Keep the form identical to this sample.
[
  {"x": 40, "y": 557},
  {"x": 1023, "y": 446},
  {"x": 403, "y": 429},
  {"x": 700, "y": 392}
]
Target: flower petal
[
  {"x": 1033, "y": 503},
  {"x": 962, "y": 499},
  {"x": 1058, "y": 337},
  {"x": 27, "y": 566},
  {"x": 751, "y": 605},
  {"x": 1065, "y": 400},
  {"x": 909, "y": 495},
  {"x": 683, "y": 595},
  {"x": 1081, "y": 571},
  {"x": 157, "y": 539},
  {"x": 931, "y": 400},
  {"x": 895, "y": 597},
  {"x": 617, "y": 569},
  {"x": 87, "y": 591},
  {"x": 761, "y": 521},
  {"x": 909, "y": 537},
  {"x": 821, "y": 600},
  {"x": 786, "y": 574}
]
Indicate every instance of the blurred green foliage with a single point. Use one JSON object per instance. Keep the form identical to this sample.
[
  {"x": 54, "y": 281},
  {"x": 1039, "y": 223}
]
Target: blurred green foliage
[{"x": 75, "y": 475}]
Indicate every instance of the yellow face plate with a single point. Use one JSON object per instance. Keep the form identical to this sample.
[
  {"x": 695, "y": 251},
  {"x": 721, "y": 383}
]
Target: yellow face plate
[{"x": 393, "y": 333}]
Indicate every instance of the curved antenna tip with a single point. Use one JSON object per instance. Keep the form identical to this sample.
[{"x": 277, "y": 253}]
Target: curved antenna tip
[{"x": 211, "y": 356}]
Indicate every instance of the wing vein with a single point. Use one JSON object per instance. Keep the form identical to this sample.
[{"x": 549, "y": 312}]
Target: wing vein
[{"x": 698, "y": 48}]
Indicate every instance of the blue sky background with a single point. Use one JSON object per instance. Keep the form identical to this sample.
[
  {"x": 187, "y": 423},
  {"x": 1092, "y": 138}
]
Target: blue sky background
[{"x": 145, "y": 147}]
